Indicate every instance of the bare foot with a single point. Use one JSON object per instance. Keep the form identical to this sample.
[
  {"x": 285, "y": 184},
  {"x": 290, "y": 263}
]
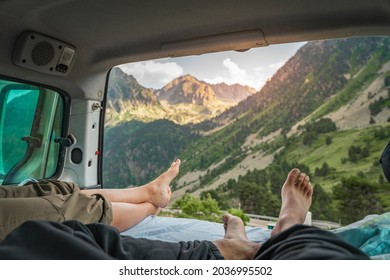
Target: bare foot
[
  {"x": 235, "y": 245},
  {"x": 234, "y": 227},
  {"x": 297, "y": 195},
  {"x": 160, "y": 192}
]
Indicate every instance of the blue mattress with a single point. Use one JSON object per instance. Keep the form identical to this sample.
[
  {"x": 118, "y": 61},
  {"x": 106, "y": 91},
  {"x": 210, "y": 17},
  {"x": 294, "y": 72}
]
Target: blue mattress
[{"x": 371, "y": 234}]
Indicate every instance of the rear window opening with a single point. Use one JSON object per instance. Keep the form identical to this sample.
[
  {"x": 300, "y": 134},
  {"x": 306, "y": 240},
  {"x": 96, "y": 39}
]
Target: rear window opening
[{"x": 324, "y": 109}]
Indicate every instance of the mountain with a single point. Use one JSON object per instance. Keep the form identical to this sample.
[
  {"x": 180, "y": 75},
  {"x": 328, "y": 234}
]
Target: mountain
[
  {"x": 125, "y": 95},
  {"x": 326, "y": 74},
  {"x": 232, "y": 93},
  {"x": 318, "y": 71},
  {"x": 124, "y": 90},
  {"x": 184, "y": 100},
  {"x": 326, "y": 111},
  {"x": 187, "y": 89},
  {"x": 338, "y": 79}
]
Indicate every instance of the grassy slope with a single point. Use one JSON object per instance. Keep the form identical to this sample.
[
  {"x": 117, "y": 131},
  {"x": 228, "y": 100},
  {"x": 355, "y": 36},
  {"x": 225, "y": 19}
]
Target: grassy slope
[
  {"x": 354, "y": 86},
  {"x": 332, "y": 154}
]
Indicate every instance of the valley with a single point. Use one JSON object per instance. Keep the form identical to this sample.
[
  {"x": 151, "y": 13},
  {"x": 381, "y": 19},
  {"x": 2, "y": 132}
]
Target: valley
[{"x": 326, "y": 111}]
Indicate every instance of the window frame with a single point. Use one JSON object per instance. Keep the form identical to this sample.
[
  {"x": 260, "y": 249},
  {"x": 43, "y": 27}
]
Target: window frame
[{"x": 66, "y": 102}]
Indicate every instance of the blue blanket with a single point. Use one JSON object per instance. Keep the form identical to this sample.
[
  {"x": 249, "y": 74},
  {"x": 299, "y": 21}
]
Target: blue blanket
[
  {"x": 371, "y": 234},
  {"x": 181, "y": 229}
]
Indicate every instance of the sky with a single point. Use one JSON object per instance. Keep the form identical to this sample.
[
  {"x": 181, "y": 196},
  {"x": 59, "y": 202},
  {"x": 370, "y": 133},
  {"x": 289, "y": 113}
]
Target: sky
[{"x": 252, "y": 68}]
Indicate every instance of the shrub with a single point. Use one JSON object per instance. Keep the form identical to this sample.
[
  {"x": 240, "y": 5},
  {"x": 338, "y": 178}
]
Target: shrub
[{"x": 239, "y": 213}]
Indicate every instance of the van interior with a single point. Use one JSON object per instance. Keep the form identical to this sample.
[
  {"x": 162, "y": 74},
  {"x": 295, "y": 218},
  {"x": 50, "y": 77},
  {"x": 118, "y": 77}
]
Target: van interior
[{"x": 61, "y": 98}]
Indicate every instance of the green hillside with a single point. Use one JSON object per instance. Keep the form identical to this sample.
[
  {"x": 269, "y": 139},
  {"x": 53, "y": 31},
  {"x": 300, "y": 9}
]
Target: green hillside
[
  {"x": 290, "y": 96},
  {"x": 333, "y": 160},
  {"x": 336, "y": 154}
]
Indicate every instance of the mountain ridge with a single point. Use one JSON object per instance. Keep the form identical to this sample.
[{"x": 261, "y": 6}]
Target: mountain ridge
[
  {"x": 183, "y": 100},
  {"x": 297, "y": 78}
]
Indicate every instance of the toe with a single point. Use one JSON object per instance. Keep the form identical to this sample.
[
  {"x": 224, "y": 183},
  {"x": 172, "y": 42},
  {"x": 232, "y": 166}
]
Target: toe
[
  {"x": 305, "y": 181},
  {"x": 293, "y": 175},
  {"x": 300, "y": 180}
]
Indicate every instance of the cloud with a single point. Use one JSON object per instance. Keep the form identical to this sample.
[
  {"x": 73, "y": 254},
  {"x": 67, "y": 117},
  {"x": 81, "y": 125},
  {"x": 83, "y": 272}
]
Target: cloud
[
  {"x": 156, "y": 74},
  {"x": 153, "y": 74},
  {"x": 234, "y": 74}
]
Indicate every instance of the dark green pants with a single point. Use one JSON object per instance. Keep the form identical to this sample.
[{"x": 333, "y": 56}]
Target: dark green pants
[
  {"x": 72, "y": 240},
  {"x": 51, "y": 201}
]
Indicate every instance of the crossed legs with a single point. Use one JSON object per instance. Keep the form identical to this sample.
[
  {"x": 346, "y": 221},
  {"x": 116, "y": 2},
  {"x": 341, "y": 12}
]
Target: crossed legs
[{"x": 131, "y": 205}]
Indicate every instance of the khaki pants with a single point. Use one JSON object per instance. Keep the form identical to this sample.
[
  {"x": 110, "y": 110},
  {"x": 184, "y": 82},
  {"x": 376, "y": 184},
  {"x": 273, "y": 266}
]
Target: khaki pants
[{"x": 52, "y": 201}]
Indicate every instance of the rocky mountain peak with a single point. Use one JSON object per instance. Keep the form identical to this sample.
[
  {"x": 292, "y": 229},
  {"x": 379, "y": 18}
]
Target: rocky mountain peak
[{"x": 187, "y": 89}]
